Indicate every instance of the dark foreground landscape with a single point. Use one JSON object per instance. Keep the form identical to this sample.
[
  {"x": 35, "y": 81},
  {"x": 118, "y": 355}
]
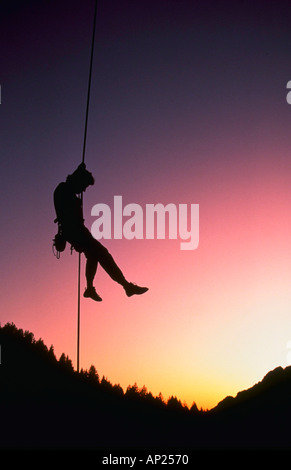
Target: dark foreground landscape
[{"x": 45, "y": 404}]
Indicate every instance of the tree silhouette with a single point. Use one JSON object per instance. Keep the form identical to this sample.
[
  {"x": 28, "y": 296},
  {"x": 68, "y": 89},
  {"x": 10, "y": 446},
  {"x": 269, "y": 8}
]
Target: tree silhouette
[
  {"x": 66, "y": 363},
  {"x": 93, "y": 376},
  {"x": 132, "y": 391},
  {"x": 31, "y": 378},
  {"x": 194, "y": 408},
  {"x": 174, "y": 403},
  {"x": 51, "y": 354}
]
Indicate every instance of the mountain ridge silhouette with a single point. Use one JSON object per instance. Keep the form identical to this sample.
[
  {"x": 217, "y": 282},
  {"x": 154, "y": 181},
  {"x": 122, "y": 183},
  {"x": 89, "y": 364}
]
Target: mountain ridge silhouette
[{"x": 49, "y": 405}]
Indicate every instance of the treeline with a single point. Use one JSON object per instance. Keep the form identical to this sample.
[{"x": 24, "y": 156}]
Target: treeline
[{"x": 91, "y": 376}]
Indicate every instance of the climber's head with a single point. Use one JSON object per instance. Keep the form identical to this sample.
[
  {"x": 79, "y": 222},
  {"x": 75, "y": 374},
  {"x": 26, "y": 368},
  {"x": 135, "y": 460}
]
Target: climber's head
[{"x": 80, "y": 179}]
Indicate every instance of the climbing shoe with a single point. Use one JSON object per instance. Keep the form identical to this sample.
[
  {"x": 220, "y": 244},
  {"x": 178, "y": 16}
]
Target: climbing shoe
[
  {"x": 133, "y": 289},
  {"x": 91, "y": 292}
]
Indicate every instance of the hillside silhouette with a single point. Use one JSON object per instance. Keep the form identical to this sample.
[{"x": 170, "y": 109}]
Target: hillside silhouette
[{"x": 49, "y": 405}]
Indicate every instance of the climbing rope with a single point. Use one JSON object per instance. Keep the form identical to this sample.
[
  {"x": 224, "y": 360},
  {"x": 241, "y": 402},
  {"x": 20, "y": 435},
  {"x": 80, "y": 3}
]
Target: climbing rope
[{"x": 83, "y": 160}]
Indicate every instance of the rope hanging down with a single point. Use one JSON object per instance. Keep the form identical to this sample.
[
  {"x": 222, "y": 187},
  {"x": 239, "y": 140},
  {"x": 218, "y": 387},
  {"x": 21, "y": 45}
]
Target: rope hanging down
[
  {"x": 83, "y": 160},
  {"x": 89, "y": 84}
]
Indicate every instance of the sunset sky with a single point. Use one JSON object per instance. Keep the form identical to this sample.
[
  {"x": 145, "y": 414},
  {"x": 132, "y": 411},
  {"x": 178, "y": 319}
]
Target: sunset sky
[{"x": 188, "y": 106}]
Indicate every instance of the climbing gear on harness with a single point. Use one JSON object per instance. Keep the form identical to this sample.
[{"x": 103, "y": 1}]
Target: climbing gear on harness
[{"x": 59, "y": 242}]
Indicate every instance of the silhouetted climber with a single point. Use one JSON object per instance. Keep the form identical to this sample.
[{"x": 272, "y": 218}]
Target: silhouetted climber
[{"x": 70, "y": 218}]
